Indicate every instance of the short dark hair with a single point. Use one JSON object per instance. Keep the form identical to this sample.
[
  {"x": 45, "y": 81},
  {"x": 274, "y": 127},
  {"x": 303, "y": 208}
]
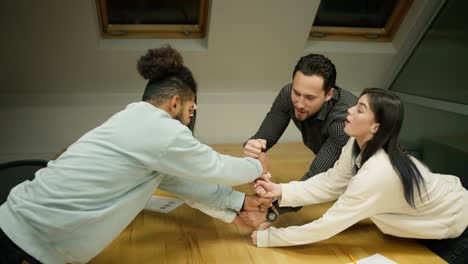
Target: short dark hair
[
  {"x": 167, "y": 76},
  {"x": 316, "y": 64}
]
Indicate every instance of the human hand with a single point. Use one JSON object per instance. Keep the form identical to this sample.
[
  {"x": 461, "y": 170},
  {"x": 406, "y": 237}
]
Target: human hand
[
  {"x": 265, "y": 161},
  {"x": 253, "y": 218},
  {"x": 254, "y": 237},
  {"x": 238, "y": 222},
  {"x": 267, "y": 189},
  {"x": 265, "y": 177},
  {"x": 254, "y": 147},
  {"x": 264, "y": 225},
  {"x": 256, "y": 203}
]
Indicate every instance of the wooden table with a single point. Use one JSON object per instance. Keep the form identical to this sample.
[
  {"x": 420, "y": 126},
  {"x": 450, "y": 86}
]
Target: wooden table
[{"x": 186, "y": 235}]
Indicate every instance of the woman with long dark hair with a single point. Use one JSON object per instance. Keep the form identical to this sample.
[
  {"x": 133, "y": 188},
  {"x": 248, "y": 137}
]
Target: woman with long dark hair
[{"x": 375, "y": 178}]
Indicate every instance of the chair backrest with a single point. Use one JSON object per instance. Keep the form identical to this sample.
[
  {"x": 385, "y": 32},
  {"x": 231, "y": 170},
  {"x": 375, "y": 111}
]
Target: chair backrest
[{"x": 15, "y": 172}]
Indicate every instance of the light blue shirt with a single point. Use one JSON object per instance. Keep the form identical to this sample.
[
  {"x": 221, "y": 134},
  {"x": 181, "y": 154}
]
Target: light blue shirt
[{"x": 84, "y": 199}]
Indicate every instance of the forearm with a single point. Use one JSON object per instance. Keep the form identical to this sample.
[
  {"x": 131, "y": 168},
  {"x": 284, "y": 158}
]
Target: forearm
[
  {"x": 225, "y": 215},
  {"x": 336, "y": 169},
  {"x": 270, "y": 131},
  {"x": 187, "y": 158},
  {"x": 343, "y": 214},
  {"x": 319, "y": 188},
  {"x": 277, "y": 119},
  {"x": 324, "y": 160},
  {"x": 211, "y": 195},
  {"x": 292, "y": 236}
]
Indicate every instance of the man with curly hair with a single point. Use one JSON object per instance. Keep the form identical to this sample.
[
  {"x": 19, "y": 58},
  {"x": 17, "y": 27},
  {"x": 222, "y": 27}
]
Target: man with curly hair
[
  {"x": 82, "y": 200},
  {"x": 318, "y": 108}
]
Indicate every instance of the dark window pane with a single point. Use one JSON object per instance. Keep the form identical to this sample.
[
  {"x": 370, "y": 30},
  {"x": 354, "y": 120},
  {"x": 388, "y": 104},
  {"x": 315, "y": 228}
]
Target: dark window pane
[
  {"x": 153, "y": 12},
  {"x": 354, "y": 13},
  {"x": 437, "y": 67}
]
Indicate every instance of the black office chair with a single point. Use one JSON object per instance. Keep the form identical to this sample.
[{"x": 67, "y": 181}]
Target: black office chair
[{"x": 15, "y": 172}]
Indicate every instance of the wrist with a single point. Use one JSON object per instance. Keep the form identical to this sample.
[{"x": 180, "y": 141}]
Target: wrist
[
  {"x": 237, "y": 221},
  {"x": 271, "y": 215},
  {"x": 279, "y": 190},
  {"x": 276, "y": 207},
  {"x": 243, "y": 204},
  {"x": 275, "y": 210},
  {"x": 235, "y": 200}
]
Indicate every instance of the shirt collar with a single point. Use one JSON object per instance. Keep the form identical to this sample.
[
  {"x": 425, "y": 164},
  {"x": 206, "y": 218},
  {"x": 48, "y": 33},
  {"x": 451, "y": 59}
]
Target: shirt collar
[
  {"x": 358, "y": 160},
  {"x": 322, "y": 114},
  {"x": 148, "y": 105}
]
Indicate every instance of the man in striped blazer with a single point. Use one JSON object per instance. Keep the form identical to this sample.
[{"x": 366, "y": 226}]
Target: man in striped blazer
[{"x": 318, "y": 108}]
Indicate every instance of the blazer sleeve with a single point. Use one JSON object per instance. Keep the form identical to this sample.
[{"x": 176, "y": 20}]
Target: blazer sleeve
[
  {"x": 331, "y": 149},
  {"x": 276, "y": 120}
]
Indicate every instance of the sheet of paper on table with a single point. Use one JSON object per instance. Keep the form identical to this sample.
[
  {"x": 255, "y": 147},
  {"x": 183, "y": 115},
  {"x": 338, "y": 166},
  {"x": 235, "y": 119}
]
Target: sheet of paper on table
[
  {"x": 375, "y": 259},
  {"x": 162, "y": 204}
]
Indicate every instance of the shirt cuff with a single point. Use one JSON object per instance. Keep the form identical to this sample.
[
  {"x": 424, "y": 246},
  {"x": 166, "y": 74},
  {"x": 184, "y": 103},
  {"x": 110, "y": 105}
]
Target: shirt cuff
[
  {"x": 229, "y": 216},
  {"x": 235, "y": 200},
  {"x": 285, "y": 189},
  {"x": 225, "y": 215},
  {"x": 258, "y": 164},
  {"x": 263, "y": 238}
]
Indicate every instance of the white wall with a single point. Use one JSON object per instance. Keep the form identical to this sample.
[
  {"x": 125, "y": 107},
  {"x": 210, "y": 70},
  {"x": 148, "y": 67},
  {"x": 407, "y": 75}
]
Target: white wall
[{"x": 58, "y": 78}]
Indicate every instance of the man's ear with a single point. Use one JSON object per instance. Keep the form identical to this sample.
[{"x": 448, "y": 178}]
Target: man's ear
[
  {"x": 329, "y": 95},
  {"x": 174, "y": 104}
]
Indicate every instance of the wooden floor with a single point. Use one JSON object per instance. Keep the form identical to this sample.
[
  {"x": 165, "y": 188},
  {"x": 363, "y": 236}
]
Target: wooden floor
[{"x": 186, "y": 235}]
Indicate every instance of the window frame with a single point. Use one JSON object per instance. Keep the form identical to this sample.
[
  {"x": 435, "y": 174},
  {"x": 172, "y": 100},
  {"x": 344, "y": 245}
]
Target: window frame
[
  {"x": 126, "y": 31},
  {"x": 384, "y": 34}
]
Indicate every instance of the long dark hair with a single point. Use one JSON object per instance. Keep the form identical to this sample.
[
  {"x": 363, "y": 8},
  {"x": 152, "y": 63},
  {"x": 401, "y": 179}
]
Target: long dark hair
[
  {"x": 167, "y": 76},
  {"x": 389, "y": 112}
]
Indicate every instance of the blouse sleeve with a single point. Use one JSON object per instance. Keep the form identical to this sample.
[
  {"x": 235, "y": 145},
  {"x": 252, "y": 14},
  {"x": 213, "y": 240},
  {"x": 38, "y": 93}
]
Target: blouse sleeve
[
  {"x": 370, "y": 192},
  {"x": 324, "y": 187}
]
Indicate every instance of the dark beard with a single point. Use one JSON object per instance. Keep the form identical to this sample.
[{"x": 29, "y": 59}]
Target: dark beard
[{"x": 179, "y": 117}]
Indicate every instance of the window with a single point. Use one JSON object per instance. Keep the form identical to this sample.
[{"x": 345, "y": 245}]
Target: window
[
  {"x": 437, "y": 66},
  {"x": 359, "y": 19},
  {"x": 152, "y": 19}
]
